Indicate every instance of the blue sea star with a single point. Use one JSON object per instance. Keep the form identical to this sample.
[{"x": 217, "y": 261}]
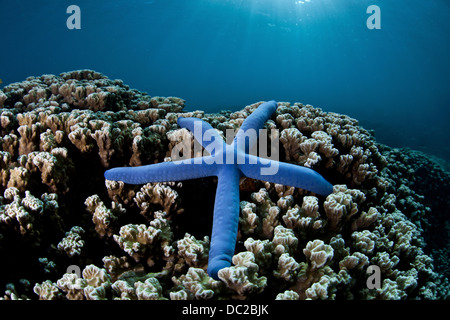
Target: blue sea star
[{"x": 229, "y": 162}]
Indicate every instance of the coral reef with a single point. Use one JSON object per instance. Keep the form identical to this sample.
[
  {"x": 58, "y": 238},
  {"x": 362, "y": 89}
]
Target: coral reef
[
  {"x": 387, "y": 213},
  {"x": 223, "y": 162}
]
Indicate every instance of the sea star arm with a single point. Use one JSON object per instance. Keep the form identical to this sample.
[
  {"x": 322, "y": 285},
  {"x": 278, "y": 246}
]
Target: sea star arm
[
  {"x": 226, "y": 220},
  {"x": 164, "y": 171},
  {"x": 204, "y": 133},
  {"x": 286, "y": 174},
  {"x": 252, "y": 123}
]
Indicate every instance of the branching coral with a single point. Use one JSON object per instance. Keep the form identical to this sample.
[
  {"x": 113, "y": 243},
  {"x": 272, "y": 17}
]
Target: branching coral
[
  {"x": 194, "y": 252},
  {"x": 195, "y": 284},
  {"x": 163, "y": 196},
  {"x": 143, "y": 242},
  {"x": 59, "y": 133},
  {"x": 103, "y": 218},
  {"x": 72, "y": 243},
  {"x": 243, "y": 277}
]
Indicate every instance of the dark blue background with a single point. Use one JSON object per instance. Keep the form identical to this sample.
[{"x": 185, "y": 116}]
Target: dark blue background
[{"x": 220, "y": 54}]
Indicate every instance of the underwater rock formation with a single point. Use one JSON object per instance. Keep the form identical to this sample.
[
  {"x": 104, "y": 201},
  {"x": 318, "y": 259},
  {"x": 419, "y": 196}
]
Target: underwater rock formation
[{"x": 151, "y": 242}]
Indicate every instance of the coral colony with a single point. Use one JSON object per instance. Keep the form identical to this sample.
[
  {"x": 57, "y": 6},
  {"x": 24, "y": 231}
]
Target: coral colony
[
  {"x": 228, "y": 163},
  {"x": 275, "y": 234}
]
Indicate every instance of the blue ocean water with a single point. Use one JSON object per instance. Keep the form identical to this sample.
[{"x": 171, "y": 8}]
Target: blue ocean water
[{"x": 225, "y": 54}]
